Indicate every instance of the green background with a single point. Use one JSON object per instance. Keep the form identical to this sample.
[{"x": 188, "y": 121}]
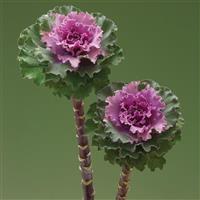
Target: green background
[{"x": 38, "y": 144}]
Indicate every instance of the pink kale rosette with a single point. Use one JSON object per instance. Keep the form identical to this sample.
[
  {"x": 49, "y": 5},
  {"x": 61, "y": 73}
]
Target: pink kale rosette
[
  {"x": 137, "y": 114},
  {"x": 69, "y": 51},
  {"x": 73, "y": 37},
  {"x": 136, "y": 123}
]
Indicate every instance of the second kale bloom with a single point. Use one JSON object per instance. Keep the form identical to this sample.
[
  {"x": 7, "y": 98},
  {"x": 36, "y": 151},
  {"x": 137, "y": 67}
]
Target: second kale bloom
[{"x": 136, "y": 113}]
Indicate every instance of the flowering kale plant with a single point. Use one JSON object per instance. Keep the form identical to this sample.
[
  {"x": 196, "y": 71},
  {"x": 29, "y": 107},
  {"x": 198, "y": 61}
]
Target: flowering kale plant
[
  {"x": 69, "y": 51},
  {"x": 136, "y": 123}
]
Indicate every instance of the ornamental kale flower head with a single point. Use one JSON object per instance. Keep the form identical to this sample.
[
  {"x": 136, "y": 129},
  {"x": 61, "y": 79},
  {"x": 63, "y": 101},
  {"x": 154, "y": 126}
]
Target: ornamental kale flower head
[
  {"x": 136, "y": 124},
  {"x": 73, "y": 37},
  {"x": 137, "y": 113},
  {"x": 69, "y": 51}
]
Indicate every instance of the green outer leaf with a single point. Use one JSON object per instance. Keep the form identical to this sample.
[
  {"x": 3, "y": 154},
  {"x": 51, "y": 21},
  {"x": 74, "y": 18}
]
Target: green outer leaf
[
  {"x": 155, "y": 161},
  {"x": 57, "y": 69},
  {"x": 109, "y": 29},
  {"x": 37, "y": 62},
  {"x": 115, "y": 56},
  {"x": 76, "y": 85},
  {"x": 35, "y": 73},
  {"x": 109, "y": 90},
  {"x": 115, "y": 135},
  {"x": 118, "y": 149}
]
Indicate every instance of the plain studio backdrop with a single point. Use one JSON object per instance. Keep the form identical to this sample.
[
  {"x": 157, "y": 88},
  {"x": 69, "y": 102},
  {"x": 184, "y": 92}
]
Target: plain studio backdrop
[{"x": 38, "y": 144}]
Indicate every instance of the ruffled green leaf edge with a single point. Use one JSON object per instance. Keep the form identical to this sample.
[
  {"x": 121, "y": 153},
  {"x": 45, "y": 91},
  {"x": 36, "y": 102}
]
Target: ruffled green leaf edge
[
  {"x": 36, "y": 61},
  {"x": 118, "y": 149}
]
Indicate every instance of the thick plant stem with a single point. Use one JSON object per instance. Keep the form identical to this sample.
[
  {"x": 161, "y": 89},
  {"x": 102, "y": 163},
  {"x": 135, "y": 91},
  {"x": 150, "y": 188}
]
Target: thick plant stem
[
  {"x": 123, "y": 185},
  {"x": 84, "y": 150}
]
